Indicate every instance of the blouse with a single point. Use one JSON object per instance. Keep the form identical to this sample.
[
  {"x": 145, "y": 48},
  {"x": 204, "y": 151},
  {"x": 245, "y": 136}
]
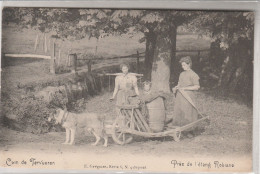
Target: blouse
[
  {"x": 126, "y": 82},
  {"x": 188, "y": 78}
]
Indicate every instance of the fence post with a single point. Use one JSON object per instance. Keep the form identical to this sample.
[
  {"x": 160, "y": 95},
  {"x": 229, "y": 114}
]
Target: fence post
[
  {"x": 101, "y": 76},
  {"x": 137, "y": 61},
  {"x": 67, "y": 60},
  {"x": 52, "y": 61},
  {"x": 199, "y": 56},
  {"x": 59, "y": 57},
  {"x": 36, "y": 43},
  {"x": 89, "y": 66},
  {"x": 45, "y": 44},
  {"x": 109, "y": 88},
  {"x": 73, "y": 58}
]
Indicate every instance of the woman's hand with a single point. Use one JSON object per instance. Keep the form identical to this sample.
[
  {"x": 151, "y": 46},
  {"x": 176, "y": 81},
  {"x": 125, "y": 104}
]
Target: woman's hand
[{"x": 112, "y": 98}]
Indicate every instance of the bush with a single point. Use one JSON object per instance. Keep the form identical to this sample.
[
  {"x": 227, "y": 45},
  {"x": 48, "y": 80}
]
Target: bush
[{"x": 31, "y": 115}]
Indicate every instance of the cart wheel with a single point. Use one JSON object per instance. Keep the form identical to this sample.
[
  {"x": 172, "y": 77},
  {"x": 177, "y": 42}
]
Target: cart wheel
[
  {"x": 118, "y": 136},
  {"x": 176, "y": 136}
]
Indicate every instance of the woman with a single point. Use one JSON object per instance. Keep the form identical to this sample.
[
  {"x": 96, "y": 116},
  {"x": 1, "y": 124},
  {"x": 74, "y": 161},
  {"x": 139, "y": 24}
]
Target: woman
[
  {"x": 184, "y": 111},
  {"x": 125, "y": 86}
]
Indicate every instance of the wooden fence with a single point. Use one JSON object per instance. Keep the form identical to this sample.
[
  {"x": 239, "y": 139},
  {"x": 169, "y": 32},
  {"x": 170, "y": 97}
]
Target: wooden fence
[
  {"x": 72, "y": 58},
  {"x": 136, "y": 56}
]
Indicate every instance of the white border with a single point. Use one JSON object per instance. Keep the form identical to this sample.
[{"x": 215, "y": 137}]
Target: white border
[
  {"x": 164, "y": 4},
  {"x": 140, "y": 4}
]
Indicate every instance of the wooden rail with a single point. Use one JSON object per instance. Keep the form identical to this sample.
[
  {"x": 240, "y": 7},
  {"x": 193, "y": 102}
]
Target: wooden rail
[
  {"x": 180, "y": 51},
  {"x": 28, "y": 56},
  {"x": 116, "y": 57},
  {"x": 118, "y": 74}
]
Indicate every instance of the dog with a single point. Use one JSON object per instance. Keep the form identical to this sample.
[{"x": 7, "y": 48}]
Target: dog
[{"x": 71, "y": 121}]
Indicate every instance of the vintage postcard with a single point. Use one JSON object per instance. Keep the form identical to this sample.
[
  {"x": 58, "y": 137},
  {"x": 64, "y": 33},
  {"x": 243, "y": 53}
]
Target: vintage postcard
[{"x": 127, "y": 89}]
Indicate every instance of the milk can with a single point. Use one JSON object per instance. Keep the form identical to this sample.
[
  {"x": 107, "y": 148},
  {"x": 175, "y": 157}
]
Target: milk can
[{"x": 157, "y": 116}]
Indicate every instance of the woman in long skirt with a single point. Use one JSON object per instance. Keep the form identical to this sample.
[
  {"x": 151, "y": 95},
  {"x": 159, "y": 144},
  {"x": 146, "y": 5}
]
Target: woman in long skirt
[
  {"x": 184, "y": 111},
  {"x": 125, "y": 87}
]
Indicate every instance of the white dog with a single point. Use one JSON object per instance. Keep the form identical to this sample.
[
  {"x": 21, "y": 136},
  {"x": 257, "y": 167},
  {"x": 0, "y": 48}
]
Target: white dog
[{"x": 90, "y": 121}]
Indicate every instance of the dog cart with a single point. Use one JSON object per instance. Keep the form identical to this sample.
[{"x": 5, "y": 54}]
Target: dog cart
[{"x": 130, "y": 121}]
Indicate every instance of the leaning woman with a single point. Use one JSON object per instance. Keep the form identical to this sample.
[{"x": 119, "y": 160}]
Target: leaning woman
[
  {"x": 184, "y": 108},
  {"x": 125, "y": 86}
]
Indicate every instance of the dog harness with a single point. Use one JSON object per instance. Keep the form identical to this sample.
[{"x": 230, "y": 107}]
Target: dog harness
[{"x": 64, "y": 117}]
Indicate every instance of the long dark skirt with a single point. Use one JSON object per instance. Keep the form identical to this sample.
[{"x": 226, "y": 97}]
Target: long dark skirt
[{"x": 184, "y": 112}]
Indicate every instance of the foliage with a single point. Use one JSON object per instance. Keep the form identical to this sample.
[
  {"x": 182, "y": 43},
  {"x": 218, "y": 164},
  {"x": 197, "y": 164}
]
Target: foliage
[
  {"x": 78, "y": 23},
  {"x": 233, "y": 32},
  {"x": 32, "y": 114},
  {"x": 228, "y": 27}
]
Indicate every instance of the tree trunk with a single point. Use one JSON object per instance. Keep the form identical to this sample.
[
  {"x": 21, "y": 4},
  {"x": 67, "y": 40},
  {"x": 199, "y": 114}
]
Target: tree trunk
[
  {"x": 174, "y": 63},
  {"x": 216, "y": 55},
  {"x": 161, "y": 64},
  {"x": 149, "y": 54}
]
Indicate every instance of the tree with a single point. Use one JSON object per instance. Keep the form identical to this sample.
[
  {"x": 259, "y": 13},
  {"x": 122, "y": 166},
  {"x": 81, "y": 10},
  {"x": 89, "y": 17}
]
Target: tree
[{"x": 150, "y": 38}]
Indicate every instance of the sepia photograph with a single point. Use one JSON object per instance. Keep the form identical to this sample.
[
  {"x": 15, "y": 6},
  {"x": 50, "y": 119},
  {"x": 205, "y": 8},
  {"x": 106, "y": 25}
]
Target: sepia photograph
[{"x": 127, "y": 90}]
